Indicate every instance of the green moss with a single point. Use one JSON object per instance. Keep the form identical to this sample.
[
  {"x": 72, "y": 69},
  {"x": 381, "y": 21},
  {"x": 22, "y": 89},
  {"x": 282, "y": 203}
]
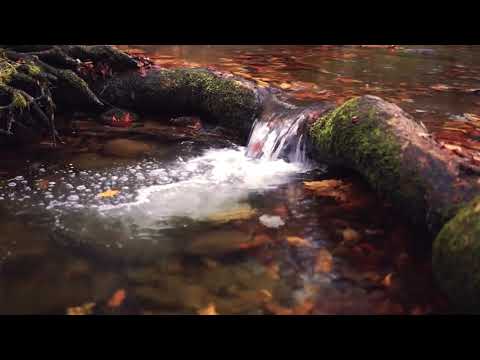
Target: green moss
[
  {"x": 7, "y": 70},
  {"x": 19, "y": 101},
  {"x": 456, "y": 258},
  {"x": 32, "y": 69},
  {"x": 73, "y": 80},
  {"x": 221, "y": 99},
  {"x": 355, "y": 136}
]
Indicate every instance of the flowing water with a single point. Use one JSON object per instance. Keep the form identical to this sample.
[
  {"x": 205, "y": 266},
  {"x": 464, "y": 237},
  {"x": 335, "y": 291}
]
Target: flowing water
[
  {"x": 437, "y": 84},
  {"x": 200, "y": 228}
]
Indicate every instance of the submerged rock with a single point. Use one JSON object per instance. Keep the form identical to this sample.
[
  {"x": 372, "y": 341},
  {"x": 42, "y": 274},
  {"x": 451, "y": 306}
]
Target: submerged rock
[
  {"x": 118, "y": 117},
  {"x": 243, "y": 212},
  {"x": 271, "y": 221},
  {"x": 456, "y": 258},
  {"x": 188, "y": 121},
  {"x": 219, "y": 242},
  {"x": 174, "y": 292},
  {"x": 127, "y": 148},
  {"x": 113, "y": 240}
]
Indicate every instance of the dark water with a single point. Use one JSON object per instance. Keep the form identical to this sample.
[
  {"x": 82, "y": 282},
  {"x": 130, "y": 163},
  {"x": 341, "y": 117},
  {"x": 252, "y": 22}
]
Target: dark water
[
  {"x": 192, "y": 228},
  {"x": 437, "y": 84}
]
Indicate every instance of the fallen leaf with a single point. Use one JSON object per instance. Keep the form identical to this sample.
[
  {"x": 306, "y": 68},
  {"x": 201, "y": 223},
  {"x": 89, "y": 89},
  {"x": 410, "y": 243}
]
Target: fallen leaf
[
  {"x": 277, "y": 309},
  {"x": 85, "y": 309},
  {"x": 472, "y": 117},
  {"x": 298, "y": 241},
  {"x": 117, "y": 299},
  {"x": 302, "y": 309},
  {"x": 209, "y": 310},
  {"x": 350, "y": 235},
  {"x": 273, "y": 271},
  {"x": 440, "y": 87},
  {"x": 387, "y": 281},
  {"x": 109, "y": 193},
  {"x": 265, "y": 295},
  {"x": 305, "y": 308},
  {"x": 323, "y": 261},
  {"x": 347, "y": 80},
  {"x": 243, "y": 212},
  {"x": 42, "y": 184}
]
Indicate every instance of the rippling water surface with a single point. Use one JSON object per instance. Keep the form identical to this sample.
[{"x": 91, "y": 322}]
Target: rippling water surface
[{"x": 193, "y": 228}]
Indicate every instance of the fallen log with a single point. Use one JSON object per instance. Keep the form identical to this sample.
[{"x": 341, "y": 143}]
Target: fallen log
[
  {"x": 232, "y": 103},
  {"x": 431, "y": 185}
]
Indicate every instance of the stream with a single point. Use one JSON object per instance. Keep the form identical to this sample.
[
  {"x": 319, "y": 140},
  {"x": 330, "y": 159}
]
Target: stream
[{"x": 198, "y": 228}]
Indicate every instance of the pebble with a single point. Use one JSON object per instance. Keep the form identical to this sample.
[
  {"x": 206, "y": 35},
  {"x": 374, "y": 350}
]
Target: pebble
[{"x": 271, "y": 221}]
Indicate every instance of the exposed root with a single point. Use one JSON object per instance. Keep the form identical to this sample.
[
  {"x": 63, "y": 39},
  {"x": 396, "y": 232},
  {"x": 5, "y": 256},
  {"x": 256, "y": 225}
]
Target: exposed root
[{"x": 36, "y": 80}]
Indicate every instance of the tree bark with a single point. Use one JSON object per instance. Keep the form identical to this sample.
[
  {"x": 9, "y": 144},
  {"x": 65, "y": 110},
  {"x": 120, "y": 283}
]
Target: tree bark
[{"x": 397, "y": 156}]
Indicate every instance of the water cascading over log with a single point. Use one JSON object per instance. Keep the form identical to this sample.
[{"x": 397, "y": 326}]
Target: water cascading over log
[{"x": 433, "y": 187}]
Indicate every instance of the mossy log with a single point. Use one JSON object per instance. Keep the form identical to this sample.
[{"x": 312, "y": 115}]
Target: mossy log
[
  {"x": 432, "y": 186},
  {"x": 398, "y": 158},
  {"x": 392, "y": 151},
  {"x": 233, "y": 103},
  {"x": 456, "y": 258}
]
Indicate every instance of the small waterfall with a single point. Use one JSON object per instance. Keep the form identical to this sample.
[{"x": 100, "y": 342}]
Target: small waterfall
[{"x": 279, "y": 134}]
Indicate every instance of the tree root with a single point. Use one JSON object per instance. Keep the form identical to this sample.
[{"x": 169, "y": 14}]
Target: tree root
[{"x": 37, "y": 80}]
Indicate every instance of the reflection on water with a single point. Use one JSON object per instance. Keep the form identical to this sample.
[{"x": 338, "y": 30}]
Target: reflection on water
[
  {"x": 206, "y": 229},
  {"x": 190, "y": 228},
  {"x": 439, "y": 85}
]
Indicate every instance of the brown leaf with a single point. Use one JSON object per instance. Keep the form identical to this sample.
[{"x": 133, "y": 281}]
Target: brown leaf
[
  {"x": 42, "y": 184},
  {"x": 109, "y": 193},
  {"x": 440, "y": 87},
  {"x": 85, "y": 309},
  {"x": 348, "y": 80},
  {"x": 387, "y": 281},
  {"x": 209, "y": 310},
  {"x": 323, "y": 261},
  {"x": 117, "y": 298},
  {"x": 273, "y": 271},
  {"x": 350, "y": 235},
  {"x": 302, "y": 309},
  {"x": 298, "y": 241}
]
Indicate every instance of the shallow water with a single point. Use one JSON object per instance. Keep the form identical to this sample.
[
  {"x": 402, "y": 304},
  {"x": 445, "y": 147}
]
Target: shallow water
[
  {"x": 195, "y": 228},
  {"x": 201, "y": 228},
  {"x": 437, "y": 84}
]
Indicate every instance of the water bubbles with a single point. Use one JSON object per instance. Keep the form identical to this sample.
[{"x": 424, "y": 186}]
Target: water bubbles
[
  {"x": 12, "y": 184},
  {"x": 69, "y": 186},
  {"x": 81, "y": 187},
  {"x": 73, "y": 197},
  {"x": 42, "y": 170},
  {"x": 19, "y": 178}
]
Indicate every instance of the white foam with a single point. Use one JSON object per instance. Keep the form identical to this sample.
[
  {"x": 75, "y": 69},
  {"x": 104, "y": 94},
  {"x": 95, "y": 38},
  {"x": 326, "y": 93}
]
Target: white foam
[{"x": 215, "y": 181}]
